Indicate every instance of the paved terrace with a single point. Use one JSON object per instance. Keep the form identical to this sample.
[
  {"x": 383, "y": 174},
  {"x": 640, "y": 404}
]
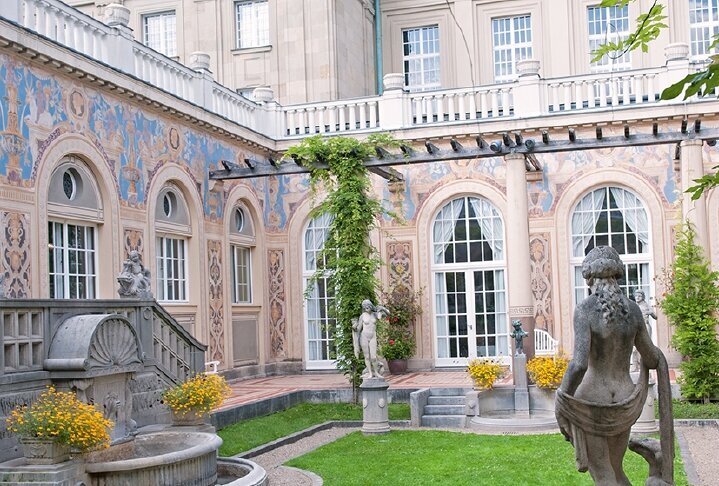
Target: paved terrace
[{"x": 253, "y": 390}]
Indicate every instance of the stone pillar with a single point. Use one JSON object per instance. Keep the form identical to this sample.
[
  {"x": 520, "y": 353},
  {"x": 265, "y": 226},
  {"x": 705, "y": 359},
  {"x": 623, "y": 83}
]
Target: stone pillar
[
  {"x": 692, "y": 167},
  {"x": 521, "y": 391},
  {"x": 374, "y": 406},
  {"x": 646, "y": 423},
  {"x": 118, "y": 16},
  {"x": 519, "y": 286},
  {"x": 391, "y": 103},
  {"x": 528, "y": 92}
]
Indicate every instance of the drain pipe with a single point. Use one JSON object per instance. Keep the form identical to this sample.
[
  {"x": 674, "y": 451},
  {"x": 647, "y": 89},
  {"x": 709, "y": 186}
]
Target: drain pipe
[{"x": 378, "y": 45}]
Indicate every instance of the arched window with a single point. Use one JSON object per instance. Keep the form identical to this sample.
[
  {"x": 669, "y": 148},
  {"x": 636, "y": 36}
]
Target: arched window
[
  {"x": 74, "y": 212},
  {"x": 320, "y": 326},
  {"x": 242, "y": 241},
  {"x": 470, "y": 301},
  {"x": 172, "y": 226},
  {"x": 612, "y": 216}
]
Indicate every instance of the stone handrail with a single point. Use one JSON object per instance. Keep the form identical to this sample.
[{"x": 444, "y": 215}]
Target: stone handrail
[
  {"x": 330, "y": 117},
  {"x": 164, "y": 73},
  {"x": 475, "y": 103},
  {"x": 29, "y": 324}
]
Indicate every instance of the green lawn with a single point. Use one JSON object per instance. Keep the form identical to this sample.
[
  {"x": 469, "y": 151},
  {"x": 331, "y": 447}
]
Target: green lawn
[
  {"x": 248, "y": 434},
  {"x": 436, "y": 458}
]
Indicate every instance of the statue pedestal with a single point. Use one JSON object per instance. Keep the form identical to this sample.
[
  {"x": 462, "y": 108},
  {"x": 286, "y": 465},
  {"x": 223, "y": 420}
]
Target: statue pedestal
[
  {"x": 646, "y": 423},
  {"x": 374, "y": 404},
  {"x": 521, "y": 391}
]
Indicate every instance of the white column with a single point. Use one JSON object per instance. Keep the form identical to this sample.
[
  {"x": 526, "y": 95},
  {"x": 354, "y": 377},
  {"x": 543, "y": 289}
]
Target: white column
[
  {"x": 692, "y": 167},
  {"x": 519, "y": 288}
]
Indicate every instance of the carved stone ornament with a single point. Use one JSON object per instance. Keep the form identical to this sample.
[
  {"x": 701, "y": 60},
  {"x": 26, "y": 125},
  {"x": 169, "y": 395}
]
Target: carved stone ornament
[{"x": 134, "y": 278}]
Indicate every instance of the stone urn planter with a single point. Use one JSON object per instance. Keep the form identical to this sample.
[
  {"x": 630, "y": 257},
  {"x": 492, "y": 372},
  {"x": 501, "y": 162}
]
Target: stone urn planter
[
  {"x": 397, "y": 366},
  {"x": 44, "y": 451},
  {"x": 191, "y": 417}
]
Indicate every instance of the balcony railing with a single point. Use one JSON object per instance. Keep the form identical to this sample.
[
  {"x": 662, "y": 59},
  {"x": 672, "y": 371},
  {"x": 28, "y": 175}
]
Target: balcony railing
[{"x": 528, "y": 96}]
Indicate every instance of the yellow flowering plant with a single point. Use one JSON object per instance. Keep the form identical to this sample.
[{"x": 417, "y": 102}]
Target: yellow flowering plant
[
  {"x": 61, "y": 417},
  {"x": 199, "y": 394},
  {"x": 484, "y": 372},
  {"x": 547, "y": 371}
]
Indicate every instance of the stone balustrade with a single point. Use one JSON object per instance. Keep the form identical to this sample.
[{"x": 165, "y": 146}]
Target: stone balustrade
[{"x": 529, "y": 96}]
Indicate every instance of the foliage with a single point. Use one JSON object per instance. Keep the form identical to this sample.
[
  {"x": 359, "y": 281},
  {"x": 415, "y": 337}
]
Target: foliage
[
  {"x": 200, "y": 394},
  {"x": 397, "y": 339},
  {"x": 248, "y": 434},
  {"x": 351, "y": 263},
  {"x": 60, "y": 416},
  {"x": 484, "y": 372},
  {"x": 547, "y": 371},
  {"x": 690, "y": 302},
  {"x": 433, "y": 457},
  {"x": 683, "y": 409},
  {"x": 649, "y": 26}
]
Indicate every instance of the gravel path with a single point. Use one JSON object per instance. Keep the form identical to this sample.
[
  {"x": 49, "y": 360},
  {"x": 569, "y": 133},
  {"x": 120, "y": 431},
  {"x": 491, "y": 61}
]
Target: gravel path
[
  {"x": 700, "y": 443},
  {"x": 285, "y": 476}
]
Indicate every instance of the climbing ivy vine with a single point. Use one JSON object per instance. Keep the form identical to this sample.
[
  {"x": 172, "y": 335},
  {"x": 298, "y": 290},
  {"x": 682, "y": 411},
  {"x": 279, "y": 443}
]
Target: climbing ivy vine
[{"x": 350, "y": 262}]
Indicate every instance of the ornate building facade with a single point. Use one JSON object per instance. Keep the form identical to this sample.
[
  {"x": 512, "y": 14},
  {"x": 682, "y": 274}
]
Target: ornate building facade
[{"x": 106, "y": 147}]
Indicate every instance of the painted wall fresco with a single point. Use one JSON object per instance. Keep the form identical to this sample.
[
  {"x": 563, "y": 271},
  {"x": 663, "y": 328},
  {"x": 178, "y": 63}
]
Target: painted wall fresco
[
  {"x": 278, "y": 322},
  {"x": 14, "y": 255},
  {"x": 37, "y": 107},
  {"x": 216, "y": 317},
  {"x": 540, "y": 264}
]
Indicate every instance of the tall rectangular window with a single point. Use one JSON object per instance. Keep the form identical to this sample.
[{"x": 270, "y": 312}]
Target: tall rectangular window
[
  {"x": 71, "y": 261},
  {"x": 241, "y": 275},
  {"x": 420, "y": 58},
  {"x": 608, "y": 24},
  {"x": 703, "y": 25},
  {"x": 171, "y": 269},
  {"x": 253, "y": 23},
  {"x": 159, "y": 31},
  {"x": 512, "y": 42}
]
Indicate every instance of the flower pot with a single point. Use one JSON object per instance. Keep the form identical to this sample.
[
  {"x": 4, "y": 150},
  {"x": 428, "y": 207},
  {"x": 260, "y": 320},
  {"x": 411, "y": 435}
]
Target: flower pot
[
  {"x": 44, "y": 451},
  {"x": 191, "y": 417},
  {"x": 397, "y": 366}
]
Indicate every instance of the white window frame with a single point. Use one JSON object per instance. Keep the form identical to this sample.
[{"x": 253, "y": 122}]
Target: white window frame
[
  {"x": 468, "y": 268},
  {"x": 165, "y": 293},
  {"x": 166, "y": 42},
  {"x": 62, "y": 278},
  {"x": 423, "y": 58},
  {"x": 255, "y": 30},
  {"x": 702, "y": 32},
  {"x": 241, "y": 257},
  {"x": 507, "y": 43},
  {"x": 319, "y": 226},
  {"x": 579, "y": 286},
  {"x": 617, "y": 20}
]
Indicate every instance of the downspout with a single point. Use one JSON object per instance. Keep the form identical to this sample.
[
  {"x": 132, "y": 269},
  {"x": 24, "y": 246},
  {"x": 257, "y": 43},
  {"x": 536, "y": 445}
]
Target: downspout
[{"x": 378, "y": 45}]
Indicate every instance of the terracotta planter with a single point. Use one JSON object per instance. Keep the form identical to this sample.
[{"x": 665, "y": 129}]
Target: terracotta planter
[
  {"x": 397, "y": 366},
  {"x": 44, "y": 451},
  {"x": 192, "y": 417}
]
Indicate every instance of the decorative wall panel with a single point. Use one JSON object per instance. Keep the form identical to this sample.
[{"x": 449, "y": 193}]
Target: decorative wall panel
[
  {"x": 541, "y": 281},
  {"x": 399, "y": 256},
  {"x": 216, "y": 301},
  {"x": 14, "y": 255},
  {"x": 278, "y": 305},
  {"x": 134, "y": 239}
]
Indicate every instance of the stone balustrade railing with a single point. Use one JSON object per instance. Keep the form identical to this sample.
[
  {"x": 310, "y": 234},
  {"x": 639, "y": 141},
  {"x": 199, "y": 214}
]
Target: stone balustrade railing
[{"x": 528, "y": 96}]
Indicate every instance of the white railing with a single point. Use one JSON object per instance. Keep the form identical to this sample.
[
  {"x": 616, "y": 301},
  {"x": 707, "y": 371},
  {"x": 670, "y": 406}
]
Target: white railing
[
  {"x": 233, "y": 106},
  {"x": 65, "y": 25},
  {"x": 544, "y": 343},
  {"x": 479, "y": 103},
  {"x": 603, "y": 90},
  {"x": 163, "y": 72},
  {"x": 331, "y": 117}
]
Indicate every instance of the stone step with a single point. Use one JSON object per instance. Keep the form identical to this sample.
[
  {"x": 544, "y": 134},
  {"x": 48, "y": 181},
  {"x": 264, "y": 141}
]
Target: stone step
[
  {"x": 453, "y": 421},
  {"x": 443, "y": 392},
  {"x": 444, "y": 410},
  {"x": 445, "y": 400}
]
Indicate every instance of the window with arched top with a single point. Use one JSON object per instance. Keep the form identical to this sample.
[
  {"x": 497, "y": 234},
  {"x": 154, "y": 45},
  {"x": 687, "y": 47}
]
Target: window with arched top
[
  {"x": 172, "y": 229},
  {"x": 74, "y": 213},
  {"x": 468, "y": 269},
  {"x": 320, "y": 326},
  {"x": 616, "y": 217},
  {"x": 242, "y": 242}
]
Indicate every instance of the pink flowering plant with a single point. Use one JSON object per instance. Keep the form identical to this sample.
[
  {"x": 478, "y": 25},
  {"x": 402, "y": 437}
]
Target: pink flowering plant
[{"x": 397, "y": 339}]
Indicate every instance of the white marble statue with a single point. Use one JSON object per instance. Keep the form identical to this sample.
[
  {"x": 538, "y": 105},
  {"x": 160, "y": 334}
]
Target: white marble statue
[{"x": 364, "y": 334}]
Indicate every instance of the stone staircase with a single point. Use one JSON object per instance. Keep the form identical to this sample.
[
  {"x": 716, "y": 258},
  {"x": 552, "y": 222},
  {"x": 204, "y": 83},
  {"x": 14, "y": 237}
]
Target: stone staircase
[{"x": 444, "y": 408}]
